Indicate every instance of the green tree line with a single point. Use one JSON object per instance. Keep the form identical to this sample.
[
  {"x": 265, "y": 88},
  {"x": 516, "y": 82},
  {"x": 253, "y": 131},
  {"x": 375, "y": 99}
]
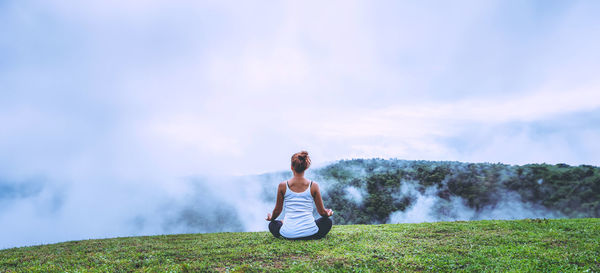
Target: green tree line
[{"x": 572, "y": 191}]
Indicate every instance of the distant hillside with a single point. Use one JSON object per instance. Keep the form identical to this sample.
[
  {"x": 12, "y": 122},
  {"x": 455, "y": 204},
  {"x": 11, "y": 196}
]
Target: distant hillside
[
  {"x": 367, "y": 191},
  {"x": 565, "y": 245},
  {"x": 360, "y": 191}
]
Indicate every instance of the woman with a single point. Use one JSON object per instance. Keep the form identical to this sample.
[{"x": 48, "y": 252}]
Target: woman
[{"x": 297, "y": 196}]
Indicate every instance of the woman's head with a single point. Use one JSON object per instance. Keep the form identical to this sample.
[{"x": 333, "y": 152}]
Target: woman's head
[{"x": 300, "y": 161}]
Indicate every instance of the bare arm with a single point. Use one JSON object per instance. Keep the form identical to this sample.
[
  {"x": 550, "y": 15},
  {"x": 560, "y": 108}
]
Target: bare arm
[
  {"x": 278, "y": 204},
  {"x": 316, "y": 193}
]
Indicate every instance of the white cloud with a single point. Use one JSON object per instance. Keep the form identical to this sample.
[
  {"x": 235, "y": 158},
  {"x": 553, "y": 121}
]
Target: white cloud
[
  {"x": 446, "y": 118},
  {"x": 115, "y": 96}
]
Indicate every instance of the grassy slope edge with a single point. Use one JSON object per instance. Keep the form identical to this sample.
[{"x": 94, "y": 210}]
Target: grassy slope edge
[{"x": 519, "y": 245}]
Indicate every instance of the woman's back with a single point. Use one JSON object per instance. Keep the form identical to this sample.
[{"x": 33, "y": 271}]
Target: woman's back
[{"x": 298, "y": 220}]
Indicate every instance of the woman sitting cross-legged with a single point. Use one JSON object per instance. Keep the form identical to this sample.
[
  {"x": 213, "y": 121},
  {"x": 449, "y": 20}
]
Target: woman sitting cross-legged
[{"x": 297, "y": 196}]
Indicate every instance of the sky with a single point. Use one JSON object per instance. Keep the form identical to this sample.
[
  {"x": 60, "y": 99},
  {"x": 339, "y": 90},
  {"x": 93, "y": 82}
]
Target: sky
[{"x": 123, "y": 99}]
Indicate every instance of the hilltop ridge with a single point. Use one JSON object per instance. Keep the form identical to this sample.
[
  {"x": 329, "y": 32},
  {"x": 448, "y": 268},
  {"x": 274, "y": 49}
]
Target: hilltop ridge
[
  {"x": 376, "y": 191},
  {"x": 566, "y": 245}
]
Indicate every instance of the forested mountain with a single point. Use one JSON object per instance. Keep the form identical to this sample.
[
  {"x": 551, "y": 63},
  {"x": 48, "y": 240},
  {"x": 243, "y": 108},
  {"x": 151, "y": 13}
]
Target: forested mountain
[{"x": 363, "y": 191}]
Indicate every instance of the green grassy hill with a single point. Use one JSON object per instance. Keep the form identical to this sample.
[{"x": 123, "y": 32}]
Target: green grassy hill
[{"x": 565, "y": 245}]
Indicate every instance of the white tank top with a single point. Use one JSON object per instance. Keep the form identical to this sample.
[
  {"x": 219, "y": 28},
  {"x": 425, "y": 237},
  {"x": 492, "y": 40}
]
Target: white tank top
[{"x": 298, "y": 221}]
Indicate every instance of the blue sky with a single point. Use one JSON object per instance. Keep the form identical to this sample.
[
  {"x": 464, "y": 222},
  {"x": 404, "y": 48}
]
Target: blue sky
[{"x": 98, "y": 96}]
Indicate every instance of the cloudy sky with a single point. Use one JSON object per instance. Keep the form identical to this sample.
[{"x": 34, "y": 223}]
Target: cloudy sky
[{"x": 102, "y": 94}]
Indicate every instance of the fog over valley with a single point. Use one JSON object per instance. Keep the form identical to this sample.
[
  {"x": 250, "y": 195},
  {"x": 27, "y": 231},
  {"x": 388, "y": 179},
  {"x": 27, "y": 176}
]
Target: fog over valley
[
  {"x": 124, "y": 118},
  {"x": 361, "y": 191}
]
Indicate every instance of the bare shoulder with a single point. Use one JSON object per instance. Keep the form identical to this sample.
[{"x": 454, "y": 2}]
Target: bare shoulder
[
  {"x": 281, "y": 186},
  {"x": 314, "y": 187}
]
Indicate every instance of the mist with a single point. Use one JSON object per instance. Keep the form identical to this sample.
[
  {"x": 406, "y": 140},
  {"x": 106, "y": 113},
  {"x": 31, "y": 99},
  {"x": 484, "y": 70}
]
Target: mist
[
  {"x": 138, "y": 118},
  {"x": 38, "y": 211},
  {"x": 428, "y": 207},
  {"x": 35, "y": 212}
]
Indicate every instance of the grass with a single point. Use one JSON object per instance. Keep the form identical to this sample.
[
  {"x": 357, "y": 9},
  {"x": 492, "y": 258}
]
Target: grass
[{"x": 563, "y": 245}]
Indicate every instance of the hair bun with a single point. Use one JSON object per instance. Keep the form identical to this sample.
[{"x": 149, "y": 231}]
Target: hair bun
[{"x": 300, "y": 161}]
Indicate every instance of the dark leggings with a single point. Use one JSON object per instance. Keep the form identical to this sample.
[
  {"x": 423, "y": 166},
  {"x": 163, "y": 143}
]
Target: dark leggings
[{"x": 324, "y": 224}]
